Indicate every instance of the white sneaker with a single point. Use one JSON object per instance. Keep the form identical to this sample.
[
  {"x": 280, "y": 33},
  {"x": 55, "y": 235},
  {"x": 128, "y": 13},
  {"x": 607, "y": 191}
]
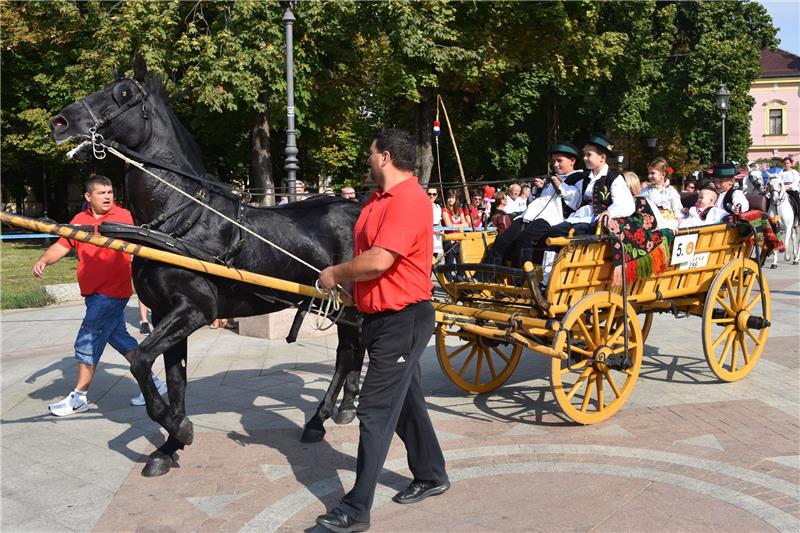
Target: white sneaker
[
  {"x": 69, "y": 406},
  {"x": 139, "y": 400}
]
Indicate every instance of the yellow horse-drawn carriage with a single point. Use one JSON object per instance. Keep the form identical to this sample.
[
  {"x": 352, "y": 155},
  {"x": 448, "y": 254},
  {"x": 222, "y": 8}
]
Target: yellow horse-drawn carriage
[{"x": 593, "y": 330}]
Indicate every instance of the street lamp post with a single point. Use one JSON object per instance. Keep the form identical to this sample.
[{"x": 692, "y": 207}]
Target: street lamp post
[
  {"x": 723, "y": 95},
  {"x": 651, "y": 141},
  {"x": 291, "y": 144}
]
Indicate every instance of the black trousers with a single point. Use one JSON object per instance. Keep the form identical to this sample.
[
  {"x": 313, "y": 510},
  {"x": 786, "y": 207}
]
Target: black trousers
[{"x": 392, "y": 401}]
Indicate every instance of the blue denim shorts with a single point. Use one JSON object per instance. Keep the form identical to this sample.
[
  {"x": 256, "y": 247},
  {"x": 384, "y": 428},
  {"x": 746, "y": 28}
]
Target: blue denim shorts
[{"x": 103, "y": 324}]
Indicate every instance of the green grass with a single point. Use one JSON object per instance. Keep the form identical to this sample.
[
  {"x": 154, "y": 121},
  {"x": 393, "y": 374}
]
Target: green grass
[{"x": 18, "y": 287}]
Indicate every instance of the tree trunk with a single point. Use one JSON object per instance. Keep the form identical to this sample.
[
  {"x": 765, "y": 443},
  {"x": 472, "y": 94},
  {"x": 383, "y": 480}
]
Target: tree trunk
[
  {"x": 261, "y": 157},
  {"x": 425, "y": 113}
]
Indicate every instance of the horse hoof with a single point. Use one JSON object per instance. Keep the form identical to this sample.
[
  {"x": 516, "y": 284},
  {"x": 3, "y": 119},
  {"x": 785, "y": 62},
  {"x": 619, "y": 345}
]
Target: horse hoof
[
  {"x": 773, "y": 266},
  {"x": 185, "y": 433},
  {"x": 312, "y": 435},
  {"x": 794, "y": 262},
  {"x": 159, "y": 464},
  {"x": 345, "y": 416}
]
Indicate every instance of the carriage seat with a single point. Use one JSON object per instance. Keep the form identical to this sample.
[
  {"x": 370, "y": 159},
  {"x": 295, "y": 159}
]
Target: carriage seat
[{"x": 757, "y": 201}]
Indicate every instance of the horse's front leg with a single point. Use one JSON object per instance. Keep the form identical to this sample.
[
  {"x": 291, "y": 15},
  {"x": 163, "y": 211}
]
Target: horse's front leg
[
  {"x": 165, "y": 457},
  {"x": 173, "y": 329}
]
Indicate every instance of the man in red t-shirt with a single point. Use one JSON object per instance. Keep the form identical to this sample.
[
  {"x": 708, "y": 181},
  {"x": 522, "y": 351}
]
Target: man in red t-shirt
[
  {"x": 391, "y": 275},
  {"x": 104, "y": 277}
]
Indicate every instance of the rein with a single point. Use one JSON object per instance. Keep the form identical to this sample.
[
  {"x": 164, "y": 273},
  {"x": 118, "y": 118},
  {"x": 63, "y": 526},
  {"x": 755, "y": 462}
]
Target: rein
[{"x": 333, "y": 304}]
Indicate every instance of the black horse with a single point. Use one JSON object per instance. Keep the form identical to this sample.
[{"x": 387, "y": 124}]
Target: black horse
[{"x": 134, "y": 114}]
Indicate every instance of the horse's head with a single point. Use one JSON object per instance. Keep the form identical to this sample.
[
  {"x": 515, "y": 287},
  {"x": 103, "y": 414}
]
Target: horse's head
[
  {"x": 117, "y": 112},
  {"x": 775, "y": 188}
]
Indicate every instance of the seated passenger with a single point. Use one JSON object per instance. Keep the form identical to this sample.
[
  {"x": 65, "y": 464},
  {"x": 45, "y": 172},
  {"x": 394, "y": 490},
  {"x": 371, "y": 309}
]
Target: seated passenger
[
  {"x": 666, "y": 198},
  {"x": 604, "y": 192},
  {"x": 548, "y": 209},
  {"x": 704, "y": 212},
  {"x": 731, "y": 200},
  {"x": 635, "y": 186}
]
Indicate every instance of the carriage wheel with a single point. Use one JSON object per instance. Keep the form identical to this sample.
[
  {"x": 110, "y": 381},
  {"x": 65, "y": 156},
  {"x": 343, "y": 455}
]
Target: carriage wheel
[
  {"x": 646, "y": 320},
  {"x": 473, "y": 363},
  {"x": 733, "y": 336},
  {"x": 595, "y": 380}
]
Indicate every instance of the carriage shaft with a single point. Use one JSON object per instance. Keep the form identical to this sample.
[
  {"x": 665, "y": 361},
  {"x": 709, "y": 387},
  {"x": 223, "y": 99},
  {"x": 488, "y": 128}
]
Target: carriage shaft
[{"x": 153, "y": 254}]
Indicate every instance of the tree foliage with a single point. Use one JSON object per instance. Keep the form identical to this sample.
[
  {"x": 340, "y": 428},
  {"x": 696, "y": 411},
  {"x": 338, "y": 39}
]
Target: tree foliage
[{"x": 515, "y": 76}]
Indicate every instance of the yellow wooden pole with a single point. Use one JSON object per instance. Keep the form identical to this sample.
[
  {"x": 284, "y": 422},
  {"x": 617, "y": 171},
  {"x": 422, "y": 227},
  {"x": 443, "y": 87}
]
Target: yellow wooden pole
[
  {"x": 146, "y": 252},
  {"x": 455, "y": 148}
]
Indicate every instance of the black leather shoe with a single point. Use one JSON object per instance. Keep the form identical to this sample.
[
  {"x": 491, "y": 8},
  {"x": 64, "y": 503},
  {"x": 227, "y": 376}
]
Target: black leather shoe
[
  {"x": 419, "y": 490},
  {"x": 341, "y": 522}
]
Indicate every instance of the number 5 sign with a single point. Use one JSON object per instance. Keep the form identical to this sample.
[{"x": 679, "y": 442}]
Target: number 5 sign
[{"x": 683, "y": 248}]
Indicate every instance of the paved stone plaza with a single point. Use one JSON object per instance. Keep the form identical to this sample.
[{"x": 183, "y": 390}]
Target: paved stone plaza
[{"x": 686, "y": 452}]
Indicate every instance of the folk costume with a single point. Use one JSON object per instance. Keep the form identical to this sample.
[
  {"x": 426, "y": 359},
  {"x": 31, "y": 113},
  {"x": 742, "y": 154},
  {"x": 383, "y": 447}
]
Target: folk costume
[
  {"x": 603, "y": 190},
  {"x": 732, "y": 198},
  {"x": 666, "y": 198},
  {"x": 546, "y": 210}
]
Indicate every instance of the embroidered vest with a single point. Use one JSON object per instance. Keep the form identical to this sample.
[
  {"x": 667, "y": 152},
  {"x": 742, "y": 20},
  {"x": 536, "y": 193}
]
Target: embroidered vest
[
  {"x": 571, "y": 179},
  {"x": 601, "y": 194}
]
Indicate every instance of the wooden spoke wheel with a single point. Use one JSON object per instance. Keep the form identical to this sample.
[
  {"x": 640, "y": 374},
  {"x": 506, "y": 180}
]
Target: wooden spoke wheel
[
  {"x": 596, "y": 378},
  {"x": 646, "y": 320},
  {"x": 734, "y": 318},
  {"x": 474, "y": 363}
]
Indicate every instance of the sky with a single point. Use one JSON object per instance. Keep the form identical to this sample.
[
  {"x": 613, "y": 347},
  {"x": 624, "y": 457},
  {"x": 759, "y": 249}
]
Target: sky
[{"x": 786, "y": 17}]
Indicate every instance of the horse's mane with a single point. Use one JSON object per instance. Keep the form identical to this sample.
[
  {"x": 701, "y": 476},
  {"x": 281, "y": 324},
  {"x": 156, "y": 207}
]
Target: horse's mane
[
  {"x": 313, "y": 202},
  {"x": 154, "y": 84}
]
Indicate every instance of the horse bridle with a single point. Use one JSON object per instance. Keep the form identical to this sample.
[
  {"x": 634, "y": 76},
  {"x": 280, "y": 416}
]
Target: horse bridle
[
  {"x": 98, "y": 148},
  {"x": 781, "y": 194}
]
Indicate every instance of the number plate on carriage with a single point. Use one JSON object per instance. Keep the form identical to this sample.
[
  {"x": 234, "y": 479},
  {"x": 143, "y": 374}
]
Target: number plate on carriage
[
  {"x": 683, "y": 248},
  {"x": 697, "y": 261}
]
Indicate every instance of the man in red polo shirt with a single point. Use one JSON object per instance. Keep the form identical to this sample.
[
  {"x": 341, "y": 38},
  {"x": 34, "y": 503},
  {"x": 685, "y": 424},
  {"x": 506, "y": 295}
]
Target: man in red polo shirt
[
  {"x": 104, "y": 277},
  {"x": 391, "y": 275}
]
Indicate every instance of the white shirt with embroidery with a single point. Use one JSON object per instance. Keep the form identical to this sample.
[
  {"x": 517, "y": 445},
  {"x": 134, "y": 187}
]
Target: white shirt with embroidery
[
  {"x": 548, "y": 205},
  {"x": 714, "y": 215},
  {"x": 665, "y": 197},
  {"x": 791, "y": 179},
  {"x": 622, "y": 204},
  {"x": 737, "y": 199}
]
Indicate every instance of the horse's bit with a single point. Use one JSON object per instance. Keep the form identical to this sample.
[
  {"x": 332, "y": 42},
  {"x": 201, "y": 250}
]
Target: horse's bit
[{"x": 98, "y": 148}]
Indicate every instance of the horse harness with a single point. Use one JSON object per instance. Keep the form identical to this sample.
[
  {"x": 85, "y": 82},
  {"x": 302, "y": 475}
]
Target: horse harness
[{"x": 207, "y": 186}]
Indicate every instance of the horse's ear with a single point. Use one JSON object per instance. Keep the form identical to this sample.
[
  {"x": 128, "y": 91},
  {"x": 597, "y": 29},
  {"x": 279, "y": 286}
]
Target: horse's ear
[
  {"x": 139, "y": 67},
  {"x": 114, "y": 74}
]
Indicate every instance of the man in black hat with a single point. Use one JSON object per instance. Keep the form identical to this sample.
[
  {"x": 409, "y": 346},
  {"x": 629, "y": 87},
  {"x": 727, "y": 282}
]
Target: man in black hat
[
  {"x": 556, "y": 199},
  {"x": 604, "y": 192},
  {"x": 731, "y": 200}
]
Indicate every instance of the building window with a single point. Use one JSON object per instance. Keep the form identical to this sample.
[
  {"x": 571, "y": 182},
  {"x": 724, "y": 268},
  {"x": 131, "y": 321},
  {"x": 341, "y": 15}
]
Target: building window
[{"x": 775, "y": 121}]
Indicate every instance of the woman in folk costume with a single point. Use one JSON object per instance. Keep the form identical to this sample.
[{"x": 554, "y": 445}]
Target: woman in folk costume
[{"x": 663, "y": 195}]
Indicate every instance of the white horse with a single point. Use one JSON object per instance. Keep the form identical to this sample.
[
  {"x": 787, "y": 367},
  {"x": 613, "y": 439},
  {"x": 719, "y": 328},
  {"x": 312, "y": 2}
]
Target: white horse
[{"x": 782, "y": 207}]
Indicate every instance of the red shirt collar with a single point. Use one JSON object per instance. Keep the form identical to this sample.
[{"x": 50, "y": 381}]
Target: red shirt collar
[
  {"x": 413, "y": 180},
  {"x": 114, "y": 209}
]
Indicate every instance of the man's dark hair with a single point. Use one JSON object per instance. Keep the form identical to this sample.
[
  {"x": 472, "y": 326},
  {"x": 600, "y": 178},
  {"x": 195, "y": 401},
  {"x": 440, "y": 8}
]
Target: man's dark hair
[
  {"x": 401, "y": 145},
  {"x": 95, "y": 179}
]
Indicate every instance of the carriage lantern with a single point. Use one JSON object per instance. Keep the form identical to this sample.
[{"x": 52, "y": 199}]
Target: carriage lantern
[{"x": 723, "y": 95}]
